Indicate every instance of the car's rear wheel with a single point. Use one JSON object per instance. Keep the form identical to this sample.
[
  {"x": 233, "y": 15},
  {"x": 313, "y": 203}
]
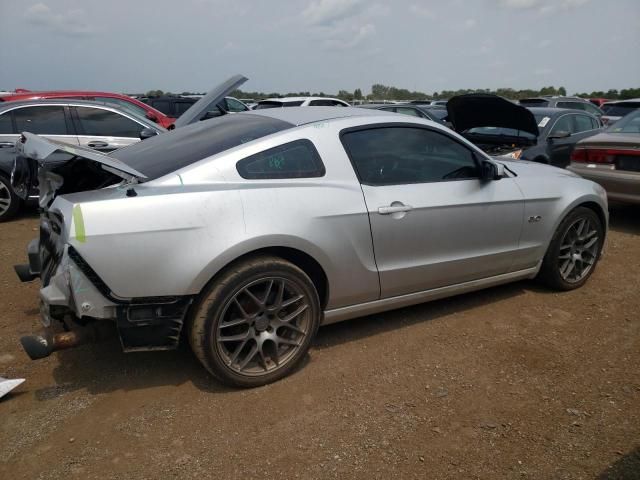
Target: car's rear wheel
[
  {"x": 574, "y": 250},
  {"x": 255, "y": 322},
  {"x": 9, "y": 201}
]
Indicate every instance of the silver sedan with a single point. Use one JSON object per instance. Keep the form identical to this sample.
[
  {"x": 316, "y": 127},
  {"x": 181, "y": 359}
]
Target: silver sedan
[{"x": 248, "y": 232}]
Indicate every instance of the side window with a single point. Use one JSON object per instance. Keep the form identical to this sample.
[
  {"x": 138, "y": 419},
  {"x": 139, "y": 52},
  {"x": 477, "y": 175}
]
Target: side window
[
  {"x": 595, "y": 123},
  {"x": 338, "y": 104},
  {"x": 402, "y": 155},
  {"x": 43, "y": 120},
  {"x": 572, "y": 105},
  {"x": 322, "y": 103},
  {"x": 124, "y": 104},
  {"x": 234, "y": 105},
  {"x": 6, "y": 126},
  {"x": 297, "y": 159},
  {"x": 582, "y": 123},
  {"x": 592, "y": 109},
  {"x": 408, "y": 111},
  {"x": 104, "y": 123},
  {"x": 181, "y": 107},
  {"x": 563, "y": 124},
  {"x": 163, "y": 105}
]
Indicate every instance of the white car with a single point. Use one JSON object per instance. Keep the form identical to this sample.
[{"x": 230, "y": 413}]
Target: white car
[{"x": 300, "y": 102}]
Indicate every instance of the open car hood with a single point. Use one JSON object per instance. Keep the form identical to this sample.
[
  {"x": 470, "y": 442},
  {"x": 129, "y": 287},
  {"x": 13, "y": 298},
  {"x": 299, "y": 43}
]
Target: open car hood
[
  {"x": 484, "y": 110},
  {"x": 48, "y": 164},
  {"x": 209, "y": 101}
]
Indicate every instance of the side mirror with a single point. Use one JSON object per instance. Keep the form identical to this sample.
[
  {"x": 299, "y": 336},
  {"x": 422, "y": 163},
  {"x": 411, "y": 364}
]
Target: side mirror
[
  {"x": 491, "y": 171},
  {"x": 559, "y": 134},
  {"x": 151, "y": 117},
  {"x": 212, "y": 114},
  {"x": 147, "y": 133}
]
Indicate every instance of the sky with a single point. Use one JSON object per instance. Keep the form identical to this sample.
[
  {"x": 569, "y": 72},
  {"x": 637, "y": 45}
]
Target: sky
[{"x": 319, "y": 45}]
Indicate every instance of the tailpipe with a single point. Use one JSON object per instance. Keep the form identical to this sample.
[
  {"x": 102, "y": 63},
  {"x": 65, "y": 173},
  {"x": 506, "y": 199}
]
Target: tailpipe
[{"x": 44, "y": 344}]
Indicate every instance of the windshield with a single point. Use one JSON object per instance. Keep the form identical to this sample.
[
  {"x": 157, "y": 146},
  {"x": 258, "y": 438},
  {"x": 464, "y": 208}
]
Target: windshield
[
  {"x": 628, "y": 124},
  {"x": 501, "y": 132},
  {"x": 168, "y": 152}
]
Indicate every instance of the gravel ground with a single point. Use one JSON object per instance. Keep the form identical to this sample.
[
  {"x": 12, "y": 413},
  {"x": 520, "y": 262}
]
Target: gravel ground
[{"x": 511, "y": 382}]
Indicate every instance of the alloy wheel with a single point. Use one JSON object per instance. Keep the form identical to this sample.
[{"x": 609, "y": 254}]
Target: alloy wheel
[
  {"x": 263, "y": 325},
  {"x": 578, "y": 250},
  {"x": 5, "y": 198}
]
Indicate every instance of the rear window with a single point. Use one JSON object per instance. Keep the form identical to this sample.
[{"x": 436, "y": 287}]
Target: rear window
[
  {"x": 628, "y": 124},
  {"x": 276, "y": 104},
  {"x": 620, "y": 109},
  {"x": 168, "y": 152},
  {"x": 534, "y": 102}
]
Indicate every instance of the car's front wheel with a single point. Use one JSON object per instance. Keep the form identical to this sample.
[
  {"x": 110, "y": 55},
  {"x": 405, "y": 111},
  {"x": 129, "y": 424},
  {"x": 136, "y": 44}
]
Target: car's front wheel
[
  {"x": 255, "y": 322},
  {"x": 574, "y": 250},
  {"x": 9, "y": 201}
]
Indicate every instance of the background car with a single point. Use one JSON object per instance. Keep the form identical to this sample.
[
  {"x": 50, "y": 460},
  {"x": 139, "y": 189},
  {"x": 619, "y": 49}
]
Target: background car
[
  {"x": 175, "y": 105},
  {"x": 76, "y": 122},
  {"x": 574, "y": 103},
  {"x": 612, "y": 159},
  {"x": 421, "y": 111},
  {"x": 300, "y": 102},
  {"x": 251, "y": 230},
  {"x": 129, "y": 103},
  {"x": 614, "y": 111},
  {"x": 500, "y": 127}
]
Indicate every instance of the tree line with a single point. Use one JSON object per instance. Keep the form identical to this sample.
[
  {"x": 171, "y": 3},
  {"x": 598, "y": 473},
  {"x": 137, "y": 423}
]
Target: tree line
[{"x": 385, "y": 92}]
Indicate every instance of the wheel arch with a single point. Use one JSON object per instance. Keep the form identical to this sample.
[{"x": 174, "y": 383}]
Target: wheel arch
[{"x": 298, "y": 256}]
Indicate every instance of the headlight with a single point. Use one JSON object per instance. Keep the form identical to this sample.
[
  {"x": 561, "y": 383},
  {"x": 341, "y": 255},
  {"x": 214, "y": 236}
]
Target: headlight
[{"x": 515, "y": 154}]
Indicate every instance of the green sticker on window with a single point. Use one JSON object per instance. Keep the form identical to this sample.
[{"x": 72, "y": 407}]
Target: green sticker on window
[{"x": 276, "y": 162}]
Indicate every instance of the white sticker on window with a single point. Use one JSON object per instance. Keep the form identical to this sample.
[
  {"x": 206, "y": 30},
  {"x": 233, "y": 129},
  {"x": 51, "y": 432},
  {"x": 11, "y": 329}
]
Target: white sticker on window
[{"x": 543, "y": 122}]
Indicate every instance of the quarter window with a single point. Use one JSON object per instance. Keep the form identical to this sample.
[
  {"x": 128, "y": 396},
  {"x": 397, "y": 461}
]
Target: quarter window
[
  {"x": 402, "y": 155},
  {"x": 47, "y": 120},
  {"x": 297, "y": 159},
  {"x": 234, "y": 105},
  {"x": 105, "y": 123}
]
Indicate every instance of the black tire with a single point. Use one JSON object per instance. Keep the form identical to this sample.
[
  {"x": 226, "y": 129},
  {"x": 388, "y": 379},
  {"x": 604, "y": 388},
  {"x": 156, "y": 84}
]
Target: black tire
[
  {"x": 227, "y": 294},
  {"x": 7, "y": 194},
  {"x": 552, "y": 265}
]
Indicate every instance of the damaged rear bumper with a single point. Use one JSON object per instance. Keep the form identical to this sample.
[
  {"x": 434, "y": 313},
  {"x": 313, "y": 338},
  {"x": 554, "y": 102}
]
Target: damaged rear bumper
[{"x": 76, "y": 296}]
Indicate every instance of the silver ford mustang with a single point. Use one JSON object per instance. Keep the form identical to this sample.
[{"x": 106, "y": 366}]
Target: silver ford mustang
[{"x": 249, "y": 231}]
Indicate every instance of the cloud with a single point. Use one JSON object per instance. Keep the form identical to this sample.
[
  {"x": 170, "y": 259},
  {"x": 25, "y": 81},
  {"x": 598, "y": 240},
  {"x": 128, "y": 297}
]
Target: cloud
[
  {"x": 422, "y": 11},
  {"x": 327, "y": 12},
  {"x": 347, "y": 39},
  {"x": 519, "y": 4},
  {"x": 543, "y": 7},
  {"x": 469, "y": 23},
  {"x": 543, "y": 72},
  {"x": 71, "y": 23}
]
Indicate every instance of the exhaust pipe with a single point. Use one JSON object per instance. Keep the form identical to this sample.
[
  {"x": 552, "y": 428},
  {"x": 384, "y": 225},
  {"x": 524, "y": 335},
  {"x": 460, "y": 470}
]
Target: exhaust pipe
[{"x": 44, "y": 344}]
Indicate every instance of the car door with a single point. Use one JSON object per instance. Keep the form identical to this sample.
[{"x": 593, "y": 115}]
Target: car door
[
  {"x": 579, "y": 126},
  {"x": 433, "y": 221},
  {"x": 104, "y": 129}
]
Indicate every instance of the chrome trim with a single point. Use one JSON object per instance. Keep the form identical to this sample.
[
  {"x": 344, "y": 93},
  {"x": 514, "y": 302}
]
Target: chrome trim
[{"x": 345, "y": 313}]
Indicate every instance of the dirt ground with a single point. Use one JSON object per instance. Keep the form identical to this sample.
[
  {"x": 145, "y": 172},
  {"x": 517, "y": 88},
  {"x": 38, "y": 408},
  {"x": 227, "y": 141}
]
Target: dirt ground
[{"x": 511, "y": 382}]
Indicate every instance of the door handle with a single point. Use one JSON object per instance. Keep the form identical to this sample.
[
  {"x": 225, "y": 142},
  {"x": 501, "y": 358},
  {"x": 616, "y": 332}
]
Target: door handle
[
  {"x": 7, "y": 144},
  {"x": 97, "y": 144},
  {"x": 394, "y": 209}
]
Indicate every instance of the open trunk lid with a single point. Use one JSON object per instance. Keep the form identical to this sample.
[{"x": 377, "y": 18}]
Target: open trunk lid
[{"x": 51, "y": 166}]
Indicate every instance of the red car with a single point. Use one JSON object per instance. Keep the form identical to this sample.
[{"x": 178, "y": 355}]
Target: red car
[{"x": 128, "y": 103}]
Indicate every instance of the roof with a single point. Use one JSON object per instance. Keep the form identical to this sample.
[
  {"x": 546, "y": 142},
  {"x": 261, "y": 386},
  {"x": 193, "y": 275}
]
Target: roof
[
  {"x": 71, "y": 93},
  {"x": 627, "y": 100},
  {"x": 59, "y": 101},
  {"x": 303, "y": 115}
]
